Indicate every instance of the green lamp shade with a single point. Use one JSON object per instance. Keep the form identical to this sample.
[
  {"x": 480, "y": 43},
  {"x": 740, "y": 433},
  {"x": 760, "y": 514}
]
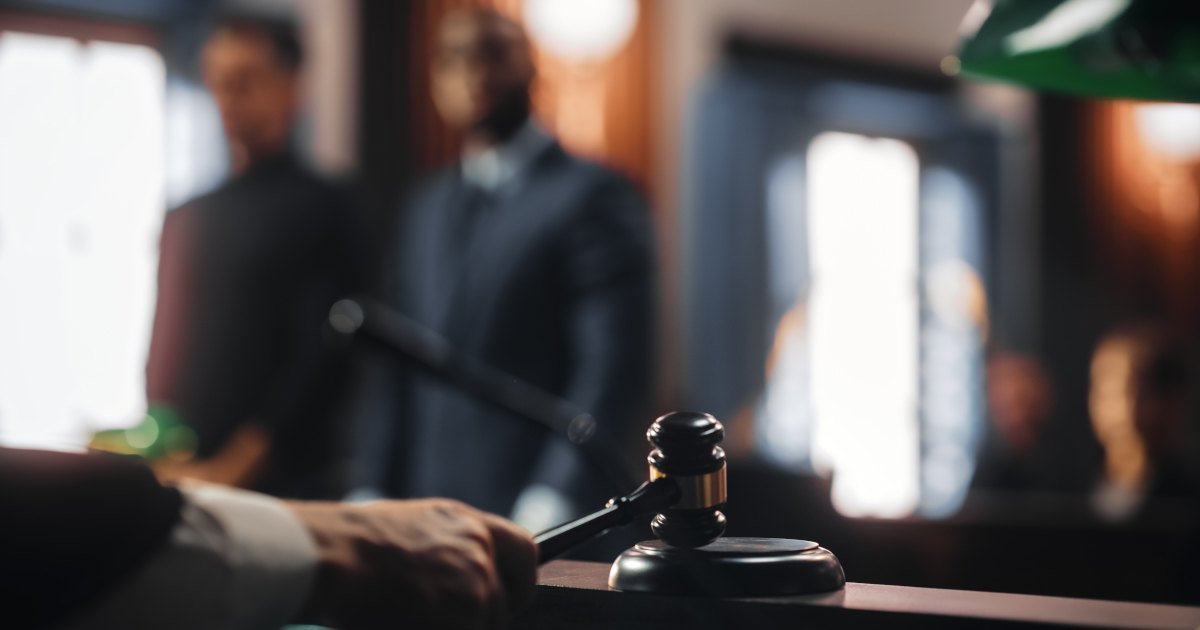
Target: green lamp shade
[{"x": 1141, "y": 49}]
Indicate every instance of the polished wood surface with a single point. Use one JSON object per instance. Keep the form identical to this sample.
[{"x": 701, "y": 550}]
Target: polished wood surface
[{"x": 576, "y": 595}]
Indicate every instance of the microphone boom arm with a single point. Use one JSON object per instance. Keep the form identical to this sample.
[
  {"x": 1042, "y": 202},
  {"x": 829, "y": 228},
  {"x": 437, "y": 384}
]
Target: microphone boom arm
[{"x": 364, "y": 318}]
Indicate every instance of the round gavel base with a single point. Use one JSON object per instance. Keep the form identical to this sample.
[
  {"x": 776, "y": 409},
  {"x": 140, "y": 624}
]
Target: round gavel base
[{"x": 729, "y": 567}]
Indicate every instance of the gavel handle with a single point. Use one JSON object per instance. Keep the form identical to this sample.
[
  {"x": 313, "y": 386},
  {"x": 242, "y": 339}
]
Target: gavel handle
[{"x": 652, "y": 496}]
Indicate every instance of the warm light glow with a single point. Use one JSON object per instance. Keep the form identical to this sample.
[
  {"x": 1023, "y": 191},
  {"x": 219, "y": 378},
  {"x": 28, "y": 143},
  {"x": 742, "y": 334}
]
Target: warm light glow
[
  {"x": 1170, "y": 129},
  {"x": 581, "y": 30},
  {"x": 951, "y": 65},
  {"x": 580, "y": 117},
  {"x": 1148, "y": 149},
  {"x": 81, "y": 144},
  {"x": 863, "y": 319}
]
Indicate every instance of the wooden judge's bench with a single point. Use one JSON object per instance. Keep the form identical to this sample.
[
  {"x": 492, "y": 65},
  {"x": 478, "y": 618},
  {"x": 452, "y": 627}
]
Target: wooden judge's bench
[{"x": 575, "y": 595}]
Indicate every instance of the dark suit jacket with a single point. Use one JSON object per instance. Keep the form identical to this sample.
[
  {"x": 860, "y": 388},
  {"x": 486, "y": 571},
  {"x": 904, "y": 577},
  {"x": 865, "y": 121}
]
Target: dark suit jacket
[
  {"x": 554, "y": 286},
  {"x": 246, "y": 278}
]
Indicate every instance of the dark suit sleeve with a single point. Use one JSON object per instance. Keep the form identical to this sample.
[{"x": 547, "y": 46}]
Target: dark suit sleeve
[
  {"x": 73, "y": 527},
  {"x": 609, "y": 259}
]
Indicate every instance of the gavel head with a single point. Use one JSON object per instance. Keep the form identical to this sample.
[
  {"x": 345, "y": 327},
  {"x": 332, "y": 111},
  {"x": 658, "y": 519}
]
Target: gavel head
[{"x": 686, "y": 450}]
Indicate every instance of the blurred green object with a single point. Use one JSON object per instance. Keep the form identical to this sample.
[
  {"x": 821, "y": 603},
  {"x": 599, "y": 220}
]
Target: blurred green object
[
  {"x": 160, "y": 435},
  {"x": 1140, "y": 49}
]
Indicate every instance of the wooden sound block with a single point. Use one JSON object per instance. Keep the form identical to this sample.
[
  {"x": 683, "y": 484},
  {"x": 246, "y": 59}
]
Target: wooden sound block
[{"x": 729, "y": 567}]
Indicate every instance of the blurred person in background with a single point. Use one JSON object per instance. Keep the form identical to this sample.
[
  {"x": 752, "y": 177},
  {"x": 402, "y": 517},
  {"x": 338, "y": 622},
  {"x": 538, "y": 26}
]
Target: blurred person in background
[
  {"x": 1137, "y": 401},
  {"x": 246, "y": 277},
  {"x": 96, "y": 542},
  {"x": 1020, "y": 396},
  {"x": 531, "y": 260}
]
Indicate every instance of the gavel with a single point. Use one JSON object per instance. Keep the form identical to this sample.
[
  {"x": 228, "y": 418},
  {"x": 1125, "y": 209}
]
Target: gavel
[
  {"x": 687, "y": 491},
  {"x": 686, "y": 488}
]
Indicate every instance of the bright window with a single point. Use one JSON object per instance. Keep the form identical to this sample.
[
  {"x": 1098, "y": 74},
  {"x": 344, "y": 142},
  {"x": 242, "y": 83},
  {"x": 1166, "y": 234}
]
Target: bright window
[
  {"x": 876, "y": 367},
  {"x": 81, "y": 202},
  {"x": 864, "y": 314}
]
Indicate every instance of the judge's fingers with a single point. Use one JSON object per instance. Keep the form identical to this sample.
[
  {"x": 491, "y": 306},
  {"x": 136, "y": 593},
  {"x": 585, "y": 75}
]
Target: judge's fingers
[
  {"x": 474, "y": 598},
  {"x": 516, "y": 560}
]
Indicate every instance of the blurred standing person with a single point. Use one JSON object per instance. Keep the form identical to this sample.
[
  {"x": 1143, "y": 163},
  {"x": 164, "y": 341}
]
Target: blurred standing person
[
  {"x": 1015, "y": 456},
  {"x": 1137, "y": 401},
  {"x": 246, "y": 276},
  {"x": 532, "y": 260}
]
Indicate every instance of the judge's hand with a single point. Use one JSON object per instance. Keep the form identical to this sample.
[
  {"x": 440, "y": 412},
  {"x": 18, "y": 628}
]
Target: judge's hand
[{"x": 431, "y": 563}]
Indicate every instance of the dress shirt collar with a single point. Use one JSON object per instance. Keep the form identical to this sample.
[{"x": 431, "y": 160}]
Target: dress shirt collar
[{"x": 497, "y": 166}]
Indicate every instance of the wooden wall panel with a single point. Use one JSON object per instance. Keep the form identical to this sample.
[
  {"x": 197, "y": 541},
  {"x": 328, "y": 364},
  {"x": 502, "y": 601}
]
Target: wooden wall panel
[{"x": 1147, "y": 231}]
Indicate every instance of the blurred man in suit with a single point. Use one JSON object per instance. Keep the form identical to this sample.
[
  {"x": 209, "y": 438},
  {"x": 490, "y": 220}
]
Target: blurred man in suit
[
  {"x": 532, "y": 260},
  {"x": 246, "y": 277}
]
